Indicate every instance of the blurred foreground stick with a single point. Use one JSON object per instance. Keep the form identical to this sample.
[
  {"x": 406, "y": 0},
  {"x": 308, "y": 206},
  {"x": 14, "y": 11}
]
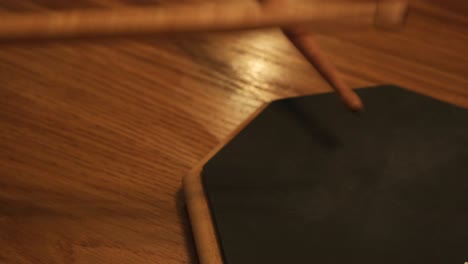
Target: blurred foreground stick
[
  {"x": 216, "y": 16},
  {"x": 199, "y": 16}
]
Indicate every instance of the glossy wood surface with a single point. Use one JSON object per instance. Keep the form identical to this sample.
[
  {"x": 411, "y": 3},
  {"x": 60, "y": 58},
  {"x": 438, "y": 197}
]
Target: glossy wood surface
[{"x": 97, "y": 134}]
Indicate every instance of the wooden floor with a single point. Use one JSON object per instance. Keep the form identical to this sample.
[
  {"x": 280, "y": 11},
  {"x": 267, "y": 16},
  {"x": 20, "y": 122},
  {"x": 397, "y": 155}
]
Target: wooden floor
[{"x": 96, "y": 134}]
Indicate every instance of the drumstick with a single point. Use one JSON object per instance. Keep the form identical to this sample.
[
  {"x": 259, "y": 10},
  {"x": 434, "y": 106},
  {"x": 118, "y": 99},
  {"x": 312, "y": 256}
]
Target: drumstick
[
  {"x": 305, "y": 43},
  {"x": 213, "y": 16},
  {"x": 204, "y": 16}
]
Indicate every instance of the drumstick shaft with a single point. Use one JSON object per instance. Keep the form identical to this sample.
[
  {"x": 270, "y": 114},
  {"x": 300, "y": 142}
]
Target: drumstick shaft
[
  {"x": 310, "y": 49},
  {"x": 211, "y": 16}
]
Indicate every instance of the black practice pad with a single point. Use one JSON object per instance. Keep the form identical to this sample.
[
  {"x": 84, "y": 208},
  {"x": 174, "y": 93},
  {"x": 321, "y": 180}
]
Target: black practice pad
[{"x": 308, "y": 181}]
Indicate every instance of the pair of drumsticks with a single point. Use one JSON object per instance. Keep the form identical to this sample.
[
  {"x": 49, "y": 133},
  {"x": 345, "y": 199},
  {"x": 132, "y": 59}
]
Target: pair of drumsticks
[{"x": 212, "y": 16}]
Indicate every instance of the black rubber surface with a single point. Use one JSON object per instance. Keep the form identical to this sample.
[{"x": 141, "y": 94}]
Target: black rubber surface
[{"x": 310, "y": 182}]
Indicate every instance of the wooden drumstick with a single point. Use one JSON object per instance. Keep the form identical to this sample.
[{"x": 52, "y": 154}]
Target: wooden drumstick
[
  {"x": 204, "y": 16},
  {"x": 214, "y": 16},
  {"x": 305, "y": 43}
]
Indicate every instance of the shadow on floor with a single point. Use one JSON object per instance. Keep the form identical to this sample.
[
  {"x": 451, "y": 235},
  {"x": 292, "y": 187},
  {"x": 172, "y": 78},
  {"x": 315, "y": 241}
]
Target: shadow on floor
[{"x": 188, "y": 235}]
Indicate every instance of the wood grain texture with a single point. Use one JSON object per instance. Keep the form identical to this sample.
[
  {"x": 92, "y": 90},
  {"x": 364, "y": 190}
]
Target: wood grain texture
[{"x": 97, "y": 134}]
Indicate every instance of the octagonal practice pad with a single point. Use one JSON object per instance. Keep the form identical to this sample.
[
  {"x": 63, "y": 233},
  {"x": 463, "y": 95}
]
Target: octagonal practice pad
[{"x": 307, "y": 181}]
